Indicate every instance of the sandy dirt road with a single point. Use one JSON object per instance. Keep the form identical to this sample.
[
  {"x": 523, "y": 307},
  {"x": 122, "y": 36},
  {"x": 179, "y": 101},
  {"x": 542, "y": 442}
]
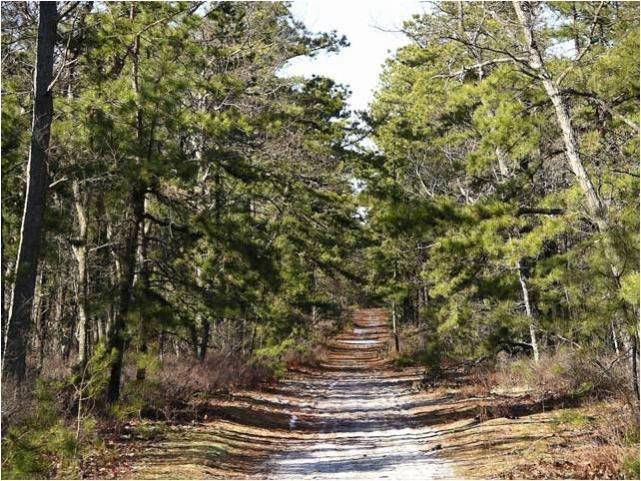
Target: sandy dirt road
[
  {"x": 353, "y": 417},
  {"x": 358, "y": 420}
]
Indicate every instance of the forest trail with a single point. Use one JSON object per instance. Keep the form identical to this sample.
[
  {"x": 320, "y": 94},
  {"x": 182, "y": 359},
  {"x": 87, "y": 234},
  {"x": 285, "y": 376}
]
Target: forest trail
[
  {"x": 354, "y": 417},
  {"x": 358, "y": 417}
]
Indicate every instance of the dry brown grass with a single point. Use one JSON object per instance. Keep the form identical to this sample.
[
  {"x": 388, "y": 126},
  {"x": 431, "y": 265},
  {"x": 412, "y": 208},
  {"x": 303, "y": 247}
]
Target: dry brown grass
[
  {"x": 572, "y": 415},
  {"x": 598, "y": 441}
]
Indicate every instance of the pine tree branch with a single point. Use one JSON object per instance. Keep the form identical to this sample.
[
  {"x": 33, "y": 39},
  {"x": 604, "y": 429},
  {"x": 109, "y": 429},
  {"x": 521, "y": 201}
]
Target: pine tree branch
[
  {"x": 593, "y": 96},
  {"x": 539, "y": 210},
  {"x": 168, "y": 223},
  {"x": 585, "y": 49},
  {"x": 477, "y": 66}
]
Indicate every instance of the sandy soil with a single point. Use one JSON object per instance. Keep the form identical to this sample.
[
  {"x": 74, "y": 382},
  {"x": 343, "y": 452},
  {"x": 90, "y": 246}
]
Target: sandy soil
[
  {"x": 355, "y": 417},
  {"x": 360, "y": 420}
]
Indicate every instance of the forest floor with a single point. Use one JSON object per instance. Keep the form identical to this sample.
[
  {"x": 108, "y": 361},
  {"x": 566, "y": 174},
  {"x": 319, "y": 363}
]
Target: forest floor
[{"x": 356, "y": 416}]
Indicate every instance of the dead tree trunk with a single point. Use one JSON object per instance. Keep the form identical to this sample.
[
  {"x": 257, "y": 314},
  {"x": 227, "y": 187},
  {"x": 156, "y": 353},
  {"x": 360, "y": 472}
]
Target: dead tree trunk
[
  {"x": 528, "y": 311},
  {"x": 80, "y": 253},
  {"x": 20, "y": 312}
]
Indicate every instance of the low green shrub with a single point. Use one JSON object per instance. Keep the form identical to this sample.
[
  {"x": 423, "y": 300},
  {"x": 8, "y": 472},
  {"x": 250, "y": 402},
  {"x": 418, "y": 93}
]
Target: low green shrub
[
  {"x": 138, "y": 397},
  {"x": 429, "y": 356},
  {"x": 273, "y": 358},
  {"x": 630, "y": 468},
  {"x": 46, "y": 442}
]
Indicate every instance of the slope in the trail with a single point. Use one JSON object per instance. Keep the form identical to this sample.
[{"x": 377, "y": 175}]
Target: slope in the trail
[
  {"x": 359, "y": 424},
  {"x": 354, "y": 417}
]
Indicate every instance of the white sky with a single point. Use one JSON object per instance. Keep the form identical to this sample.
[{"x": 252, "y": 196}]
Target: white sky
[{"x": 359, "y": 65}]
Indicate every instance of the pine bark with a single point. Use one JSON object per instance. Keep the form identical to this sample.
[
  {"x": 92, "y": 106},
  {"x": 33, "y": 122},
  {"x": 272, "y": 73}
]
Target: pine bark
[
  {"x": 532, "y": 324},
  {"x": 570, "y": 142},
  {"x": 80, "y": 253},
  {"x": 117, "y": 341},
  {"x": 20, "y": 312}
]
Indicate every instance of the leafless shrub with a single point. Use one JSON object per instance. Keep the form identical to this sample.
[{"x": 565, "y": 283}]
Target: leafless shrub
[
  {"x": 17, "y": 401},
  {"x": 184, "y": 377},
  {"x": 480, "y": 381},
  {"x": 310, "y": 357},
  {"x": 568, "y": 372}
]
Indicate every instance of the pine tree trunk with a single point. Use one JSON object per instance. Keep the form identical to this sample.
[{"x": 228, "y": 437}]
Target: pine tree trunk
[
  {"x": 5, "y": 303},
  {"x": 20, "y": 312},
  {"x": 161, "y": 345},
  {"x": 81, "y": 247},
  {"x": 204, "y": 340},
  {"x": 252, "y": 341},
  {"x": 143, "y": 331},
  {"x": 80, "y": 253},
  {"x": 570, "y": 142},
  {"x": 635, "y": 365},
  {"x": 528, "y": 311},
  {"x": 56, "y": 321},
  {"x": 503, "y": 162},
  {"x": 596, "y": 208},
  {"x": 394, "y": 331},
  {"x": 100, "y": 329},
  {"x": 137, "y": 207},
  {"x": 39, "y": 321},
  {"x": 193, "y": 337},
  {"x": 615, "y": 341},
  {"x": 115, "y": 276},
  {"x": 116, "y": 345}
]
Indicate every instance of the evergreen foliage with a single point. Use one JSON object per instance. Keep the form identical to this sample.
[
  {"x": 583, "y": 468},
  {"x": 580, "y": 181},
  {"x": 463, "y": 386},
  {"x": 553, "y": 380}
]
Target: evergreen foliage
[
  {"x": 198, "y": 200},
  {"x": 471, "y": 181}
]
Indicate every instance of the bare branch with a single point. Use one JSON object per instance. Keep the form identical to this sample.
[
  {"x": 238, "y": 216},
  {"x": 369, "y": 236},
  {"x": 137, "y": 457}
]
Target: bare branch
[
  {"x": 593, "y": 97},
  {"x": 477, "y": 66},
  {"x": 585, "y": 49}
]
